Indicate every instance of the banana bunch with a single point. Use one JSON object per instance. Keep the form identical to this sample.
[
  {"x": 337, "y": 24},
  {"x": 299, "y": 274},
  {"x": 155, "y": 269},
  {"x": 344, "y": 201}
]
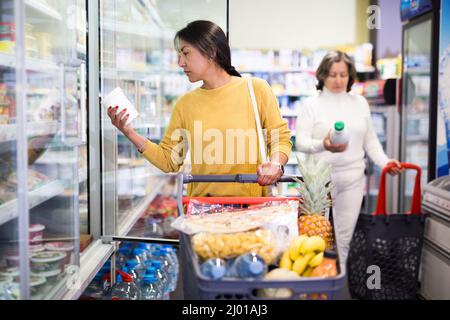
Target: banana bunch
[{"x": 304, "y": 254}]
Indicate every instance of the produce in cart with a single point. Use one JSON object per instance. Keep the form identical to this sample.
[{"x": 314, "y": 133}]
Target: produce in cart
[
  {"x": 314, "y": 190},
  {"x": 304, "y": 254}
]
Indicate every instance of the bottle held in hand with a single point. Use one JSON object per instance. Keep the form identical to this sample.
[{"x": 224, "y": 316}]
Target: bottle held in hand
[{"x": 339, "y": 134}]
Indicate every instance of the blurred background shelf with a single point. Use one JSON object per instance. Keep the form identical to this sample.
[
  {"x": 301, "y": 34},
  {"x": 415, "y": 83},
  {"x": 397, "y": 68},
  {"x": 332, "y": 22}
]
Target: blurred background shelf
[{"x": 8, "y": 210}]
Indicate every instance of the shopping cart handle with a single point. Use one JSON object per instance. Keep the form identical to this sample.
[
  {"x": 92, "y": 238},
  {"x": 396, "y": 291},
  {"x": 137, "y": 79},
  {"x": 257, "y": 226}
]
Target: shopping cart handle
[{"x": 238, "y": 178}]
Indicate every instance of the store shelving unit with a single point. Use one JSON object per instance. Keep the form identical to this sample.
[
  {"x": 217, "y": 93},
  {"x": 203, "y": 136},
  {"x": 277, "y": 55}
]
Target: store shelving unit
[
  {"x": 129, "y": 219},
  {"x": 32, "y": 64},
  {"x": 8, "y": 210},
  {"x": 7, "y": 60},
  {"x": 8, "y": 132},
  {"x": 43, "y": 9}
]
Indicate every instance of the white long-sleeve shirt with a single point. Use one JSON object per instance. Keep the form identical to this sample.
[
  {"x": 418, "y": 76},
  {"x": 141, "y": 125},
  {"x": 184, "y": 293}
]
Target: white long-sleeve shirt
[{"x": 316, "y": 119}]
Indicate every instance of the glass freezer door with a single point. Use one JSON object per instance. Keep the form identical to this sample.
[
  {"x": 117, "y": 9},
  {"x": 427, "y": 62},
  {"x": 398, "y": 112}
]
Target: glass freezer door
[
  {"x": 55, "y": 43},
  {"x": 137, "y": 54},
  {"x": 10, "y": 262},
  {"x": 416, "y": 105}
]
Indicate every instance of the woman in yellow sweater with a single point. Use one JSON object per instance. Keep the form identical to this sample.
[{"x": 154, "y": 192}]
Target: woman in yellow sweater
[{"x": 216, "y": 121}]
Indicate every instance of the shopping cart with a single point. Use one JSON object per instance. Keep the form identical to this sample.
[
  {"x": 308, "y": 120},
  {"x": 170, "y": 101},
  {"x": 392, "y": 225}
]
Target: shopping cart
[{"x": 196, "y": 286}]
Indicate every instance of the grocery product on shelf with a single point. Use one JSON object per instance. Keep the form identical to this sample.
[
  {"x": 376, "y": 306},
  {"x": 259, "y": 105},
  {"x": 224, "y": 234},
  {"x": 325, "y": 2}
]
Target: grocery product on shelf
[
  {"x": 5, "y": 103},
  {"x": 36, "y": 232},
  {"x": 47, "y": 261},
  {"x": 7, "y": 36},
  {"x": 149, "y": 289},
  {"x": 126, "y": 265},
  {"x": 314, "y": 189},
  {"x": 125, "y": 289}
]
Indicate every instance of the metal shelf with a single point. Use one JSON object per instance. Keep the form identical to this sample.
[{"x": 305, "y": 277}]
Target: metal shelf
[
  {"x": 31, "y": 64},
  {"x": 129, "y": 219},
  {"x": 8, "y": 132},
  {"x": 130, "y": 28},
  {"x": 43, "y": 9},
  {"x": 7, "y": 60},
  {"x": 8, "y": 210}
]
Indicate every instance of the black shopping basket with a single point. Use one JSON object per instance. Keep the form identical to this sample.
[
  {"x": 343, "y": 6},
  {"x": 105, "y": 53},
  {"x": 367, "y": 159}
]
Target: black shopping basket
[
  {"x": 196, "y": 286},
  {"x": 385, "y": 251}
]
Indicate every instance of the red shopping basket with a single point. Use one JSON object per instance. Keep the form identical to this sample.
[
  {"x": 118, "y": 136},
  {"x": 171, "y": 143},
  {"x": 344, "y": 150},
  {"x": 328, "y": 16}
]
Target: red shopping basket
[
  {"x": 385, "y": 251},
  {"x": 196, "y": 286}
]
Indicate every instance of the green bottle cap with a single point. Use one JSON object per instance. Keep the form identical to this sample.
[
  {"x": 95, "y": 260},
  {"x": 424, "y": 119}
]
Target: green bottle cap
[{"x": 339, "y": 126}]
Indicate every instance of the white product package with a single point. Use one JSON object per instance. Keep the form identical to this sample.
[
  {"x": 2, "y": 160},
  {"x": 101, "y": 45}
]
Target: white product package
[{"x": 118, "y": 98}]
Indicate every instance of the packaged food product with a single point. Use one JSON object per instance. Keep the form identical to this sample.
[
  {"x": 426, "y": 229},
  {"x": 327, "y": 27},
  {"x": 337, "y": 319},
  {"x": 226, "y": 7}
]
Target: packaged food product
[
  {"x": 47, "y": 261},
  {"x": 228, "y": 246},
  {"x": 36, "y": 248},
  {"x": 66, "y": 247},
  {"x": 232, "y": 220},
  {"x": 13, "y": 273},
  {"x": 50, "y": 276},
  {"x": 12, "y": 259},
  {"x": 37, "y": 284},
  {"x": 36, "y": 233}
]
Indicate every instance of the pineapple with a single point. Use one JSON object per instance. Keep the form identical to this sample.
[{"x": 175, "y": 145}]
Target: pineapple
[{"x": 314, "y": 189}]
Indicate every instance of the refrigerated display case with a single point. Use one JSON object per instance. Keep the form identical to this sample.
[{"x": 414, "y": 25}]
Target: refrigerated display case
[
  {"x": 386, "y": 123},
  {"x": 137, "y": 54},
  {"x": 419, "y": 98},
  {"x": 43, "y": 145},
  {"x": 443, "y": 122}
]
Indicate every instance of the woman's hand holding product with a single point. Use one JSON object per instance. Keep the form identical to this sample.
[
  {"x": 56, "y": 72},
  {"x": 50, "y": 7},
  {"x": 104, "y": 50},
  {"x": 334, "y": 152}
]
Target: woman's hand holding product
[
  {"x": 334, "y": 148},
  {"x": 119, "y": 120}
]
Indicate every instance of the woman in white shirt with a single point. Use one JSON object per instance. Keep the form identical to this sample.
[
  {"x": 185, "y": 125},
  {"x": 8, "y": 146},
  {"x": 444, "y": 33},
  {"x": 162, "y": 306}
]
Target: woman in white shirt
[{"x": 336, "y": 75}]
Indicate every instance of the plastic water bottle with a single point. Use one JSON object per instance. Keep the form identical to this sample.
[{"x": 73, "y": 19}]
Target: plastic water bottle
[
  {"x": 214, "y": 268},
  {"x": 249, "y": 266},
  {"x": 171, "y": 253},
  {"x": 339, "y": 134},
  {"x": 135, "y": 269},
  {"x": 147, "y": 248},
  {"x": 150, "y": 289},
  {"x": 95, "y": 289},
  {"x": 170, "y": 266},
  {"x": 165, "y": 264},
  {"x": 125, "y": 289},
  {"x": 153, "y": 228},
  {"x": 152, "y": 271},
  {"x": 164, "y": 280},
  {"x": 122, "y": 257},
  {"x": 140, "y": 255}
]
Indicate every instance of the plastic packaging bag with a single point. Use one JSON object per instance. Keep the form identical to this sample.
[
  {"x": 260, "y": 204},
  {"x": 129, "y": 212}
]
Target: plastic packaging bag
[
  {"x": 229, "y": 246},
  {"x": 232, "y": 220}
]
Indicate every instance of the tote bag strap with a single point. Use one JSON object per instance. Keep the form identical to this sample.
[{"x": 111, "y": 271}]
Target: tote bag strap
[
  {"x": 416, "y": 204},
  {"x": 262, "y": 143}
]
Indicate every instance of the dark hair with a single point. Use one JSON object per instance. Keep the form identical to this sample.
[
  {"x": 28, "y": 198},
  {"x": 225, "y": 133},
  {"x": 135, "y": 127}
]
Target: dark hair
[
  {"x": 212, "y": 42},
  {"x": 325, "y": 66}
]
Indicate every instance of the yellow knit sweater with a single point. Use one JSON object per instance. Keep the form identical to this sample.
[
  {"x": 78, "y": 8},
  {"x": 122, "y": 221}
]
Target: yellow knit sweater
[{"x": 209, "y": 124}]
